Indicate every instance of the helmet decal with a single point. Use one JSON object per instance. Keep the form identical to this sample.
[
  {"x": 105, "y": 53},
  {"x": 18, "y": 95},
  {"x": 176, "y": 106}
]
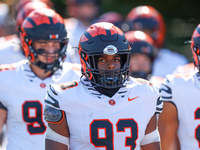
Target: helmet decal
[{"x": 110, "y": 50}]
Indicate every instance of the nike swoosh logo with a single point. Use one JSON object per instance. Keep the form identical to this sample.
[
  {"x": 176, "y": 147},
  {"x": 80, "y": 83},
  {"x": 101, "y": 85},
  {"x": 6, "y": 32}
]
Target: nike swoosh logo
[{"x": 130, "y": 99}]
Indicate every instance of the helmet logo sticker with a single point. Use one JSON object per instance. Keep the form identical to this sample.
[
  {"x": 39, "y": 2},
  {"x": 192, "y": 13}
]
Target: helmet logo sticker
[
  {"x": 110, "y": 50},
  {"x": 53, "y": 36}
]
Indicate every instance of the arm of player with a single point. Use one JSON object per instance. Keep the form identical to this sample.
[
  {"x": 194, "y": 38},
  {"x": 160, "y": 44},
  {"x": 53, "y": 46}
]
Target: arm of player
[
  {"x": 167, "y": 126},
  {"x": 3, "y": 117},
  {"x": 151, "y": 140},
  {"x": 57, "y": 136}
]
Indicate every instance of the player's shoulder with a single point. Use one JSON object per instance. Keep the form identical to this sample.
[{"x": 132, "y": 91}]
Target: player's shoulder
[
  {"x": 144, "y": 85},
  {"x": 13, "y": 67},
  {"x": 178, "y": 79},
  {"x": 71, "y": 66},
  {"x": 7, "y": 67},
  {"x": 8, "y": 38},
  {"x": 7, "y": 73},
  {"x": 63, "y": 87},
  {"x": 188, "y": 68},
  {"x": 7, "y": 41},
  {"x": 58, "y": 93}
]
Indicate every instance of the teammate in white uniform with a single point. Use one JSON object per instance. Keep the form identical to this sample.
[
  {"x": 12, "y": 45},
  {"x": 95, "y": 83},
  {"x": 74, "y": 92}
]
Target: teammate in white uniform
[
  {"x": 142, "y": 54},
  {"x": 10, "y": 48},
  {"x": 105, "y": 109},
  {"x": 150, "y": 21},
  {"x": 86, "y": 12},
  {"x": 181, "y": 111},
  {"x": 24, "y": 84}
]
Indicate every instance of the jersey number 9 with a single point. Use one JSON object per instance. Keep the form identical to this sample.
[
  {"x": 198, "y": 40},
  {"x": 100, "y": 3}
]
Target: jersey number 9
[{"x": 32, "y": 114}]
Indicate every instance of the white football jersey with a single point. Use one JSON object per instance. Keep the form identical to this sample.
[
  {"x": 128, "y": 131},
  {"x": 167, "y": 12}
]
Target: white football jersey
[
  {"x": 184, "y": 92},
  {"x": 166, "y": 62},
  {"x": 10, "y": 50},
  {"x": 22, "y": 94},
  {"x": 98, "y": 122}
]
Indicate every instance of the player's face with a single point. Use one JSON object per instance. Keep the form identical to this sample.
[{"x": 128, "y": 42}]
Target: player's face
[
  {"x": 140, "y": 62},
  {"x": 48, "y": 50},
  {"x": 109, "y": 62},
  {"x": 87, "y": 11}
]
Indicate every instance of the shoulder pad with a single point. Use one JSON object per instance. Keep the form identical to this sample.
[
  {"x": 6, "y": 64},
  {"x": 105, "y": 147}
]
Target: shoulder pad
[{"x": 53, "y": 115}]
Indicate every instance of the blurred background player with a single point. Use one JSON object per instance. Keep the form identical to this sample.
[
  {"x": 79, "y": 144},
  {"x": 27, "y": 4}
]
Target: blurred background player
[
  {"x": 112, "y": 17},
  {"x": 23, "y": 84},
  {"x": 84, "y": 13},
  {"x": 20, "y": 3},
  {"x": 10, "y": 48},
  {"x": 4, "y": 17},
  {"x": 179, "y": 123},
  {"x": 149, "y": 20},
  {"x": 142, "y": 54}
]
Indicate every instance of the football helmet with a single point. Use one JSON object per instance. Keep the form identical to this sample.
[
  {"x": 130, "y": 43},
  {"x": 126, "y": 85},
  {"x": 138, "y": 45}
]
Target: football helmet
[
  {"x": 141, "y": 43},
  {"x": 43, "y": 24},
  {"x": 21, "y": 4},
  {"x": 112, "y": 17},
  {"x": 148, "y": 18},
  {"x": 104, "y": 39},
  {"x": 195, "y": 46},
  {"x": 26, "y": 10},
  {"x": 73, "y": 9}
]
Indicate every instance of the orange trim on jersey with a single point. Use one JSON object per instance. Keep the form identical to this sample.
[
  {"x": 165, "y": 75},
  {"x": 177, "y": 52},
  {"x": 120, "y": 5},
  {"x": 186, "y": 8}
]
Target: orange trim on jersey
[
  {"x": 5, "y": 67},
  {"x": 68, "y": 85},
  {"x": 181, "y": 75},
  {"x": 143, "y": 81}
]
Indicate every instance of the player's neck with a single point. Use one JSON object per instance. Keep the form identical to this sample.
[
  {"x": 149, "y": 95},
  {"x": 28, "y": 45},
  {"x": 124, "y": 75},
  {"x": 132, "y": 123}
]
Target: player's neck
[{"x": 40, "y": 73}]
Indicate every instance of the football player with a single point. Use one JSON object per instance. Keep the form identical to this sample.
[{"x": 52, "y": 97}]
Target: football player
[
  {"x": 23, "y": 85},
  {"x": 84, "y": 13},
  {"x": 149, "y": 20},
  {"x": 105, "y": 109},
  {"x": 142, "y": 54},
  {"x": 112, "y": 17},
  {"x": 10, "y": 45},
  {"x": 179, "y": 123}
]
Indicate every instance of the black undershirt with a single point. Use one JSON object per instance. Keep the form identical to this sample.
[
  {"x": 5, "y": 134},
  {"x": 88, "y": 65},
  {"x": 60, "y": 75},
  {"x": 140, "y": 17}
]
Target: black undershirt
[{"x": 107, "y": 91}]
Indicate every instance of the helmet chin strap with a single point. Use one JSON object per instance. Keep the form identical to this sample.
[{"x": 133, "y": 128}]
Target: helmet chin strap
[
  {"x": 57, "y": 64},
  {"x": 48, "y": 67}
]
